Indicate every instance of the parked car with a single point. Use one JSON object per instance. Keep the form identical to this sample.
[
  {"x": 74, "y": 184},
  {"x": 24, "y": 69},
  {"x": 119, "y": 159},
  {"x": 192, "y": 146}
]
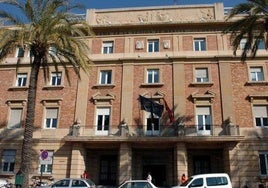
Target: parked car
[
  {"x": 4, "y": 183},
  {"x": 216, "y": 180},
  {"x": 72, "y": 182},
  {"x": 137, "y": 184}
]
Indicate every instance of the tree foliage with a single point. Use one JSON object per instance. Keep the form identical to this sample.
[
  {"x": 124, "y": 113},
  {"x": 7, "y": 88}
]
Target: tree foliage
[
  {"x": 54, "y": 36},
  {"x": 249, "y": 22}
]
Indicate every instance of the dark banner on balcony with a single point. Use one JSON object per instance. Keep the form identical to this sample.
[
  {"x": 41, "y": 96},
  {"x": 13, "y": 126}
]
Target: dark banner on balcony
[{"x": 151, "y": 106}]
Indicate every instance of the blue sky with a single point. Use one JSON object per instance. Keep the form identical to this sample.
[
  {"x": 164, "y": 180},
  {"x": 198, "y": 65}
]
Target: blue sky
[{"x": 103, "y": 4}]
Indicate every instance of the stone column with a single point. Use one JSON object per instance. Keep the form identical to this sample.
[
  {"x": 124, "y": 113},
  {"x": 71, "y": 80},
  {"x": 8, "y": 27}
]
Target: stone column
[
  {"x": 77, "y": 160},
  {"x": 125, "y": 162},
  {"x": 181, "y": 162}
]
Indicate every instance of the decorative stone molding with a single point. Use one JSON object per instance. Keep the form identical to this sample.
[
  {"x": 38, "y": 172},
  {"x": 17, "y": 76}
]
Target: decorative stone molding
[
  {"x": 52, "y": 101},
  {"x": 166, "y": 44},
  {"x": 108, "y": 98},
  {"x": 157, "y": 95},
  {"x": 13, "y": 102},
  {"x": 258, "y": 97},
  {"x": 139, "y": 45},
  {"x": 170, "y": 14},
  {"x": 208, "y": 96}
]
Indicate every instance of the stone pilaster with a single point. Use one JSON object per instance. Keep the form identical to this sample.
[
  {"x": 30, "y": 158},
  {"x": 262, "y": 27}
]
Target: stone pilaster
[
  {"x": 180, "y": 162},
  {"x": 125, "y": 162},
  {"x": 77, "y": 161},
  {"x": 127, "y": 93}
]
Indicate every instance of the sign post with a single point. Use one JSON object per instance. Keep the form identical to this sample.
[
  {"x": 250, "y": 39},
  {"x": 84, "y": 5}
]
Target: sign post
[{"x": 44, "y": 159}]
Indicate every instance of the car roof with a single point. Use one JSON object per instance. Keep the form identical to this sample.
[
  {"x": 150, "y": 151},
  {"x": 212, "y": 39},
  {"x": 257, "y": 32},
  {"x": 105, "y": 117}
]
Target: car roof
[
  {"x": 210, "y": 175},
  {"x": 137, "y": 181}
]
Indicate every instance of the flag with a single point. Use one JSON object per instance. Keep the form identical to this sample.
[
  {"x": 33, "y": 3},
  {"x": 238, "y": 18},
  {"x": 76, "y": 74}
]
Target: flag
[
  {"x": 170, "y": 114},
  {"x": 150, "y": 106}
]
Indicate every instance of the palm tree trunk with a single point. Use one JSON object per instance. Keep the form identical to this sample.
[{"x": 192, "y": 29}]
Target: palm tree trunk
[{"x": 27, "y": 152}]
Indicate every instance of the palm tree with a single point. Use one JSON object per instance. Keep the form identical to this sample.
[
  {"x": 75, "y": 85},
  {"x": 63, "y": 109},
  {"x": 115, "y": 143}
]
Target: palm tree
[
  {"x": 252, "y": 26},
  {"x": 53, "y": 35}
]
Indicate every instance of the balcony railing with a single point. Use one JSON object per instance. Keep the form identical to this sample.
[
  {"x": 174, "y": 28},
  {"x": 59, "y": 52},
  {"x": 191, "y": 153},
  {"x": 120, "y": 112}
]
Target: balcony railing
[{"x": 165, "y": 131}]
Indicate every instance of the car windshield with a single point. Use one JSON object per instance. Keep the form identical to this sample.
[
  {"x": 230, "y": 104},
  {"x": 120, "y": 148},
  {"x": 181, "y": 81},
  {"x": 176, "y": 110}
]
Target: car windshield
[
  {"x": 90, "y": 182},
  {"x": 137, "y": 185},
  {"x": 186, "y": 182}
]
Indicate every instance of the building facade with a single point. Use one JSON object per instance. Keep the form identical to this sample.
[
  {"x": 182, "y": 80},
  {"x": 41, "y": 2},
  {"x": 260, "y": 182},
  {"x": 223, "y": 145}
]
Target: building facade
[{"x": 176, "y": 56}]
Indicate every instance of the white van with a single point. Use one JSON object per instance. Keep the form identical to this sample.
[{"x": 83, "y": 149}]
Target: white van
[{"x": 217, "y": 180}]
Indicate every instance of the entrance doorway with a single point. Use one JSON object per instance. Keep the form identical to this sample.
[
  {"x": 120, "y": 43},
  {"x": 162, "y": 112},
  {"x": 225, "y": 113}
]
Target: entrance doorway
[
  {"x": 158, "y": 173},
  {"x": 202, "y": 164},
  {"x": 108, "y": 169}
]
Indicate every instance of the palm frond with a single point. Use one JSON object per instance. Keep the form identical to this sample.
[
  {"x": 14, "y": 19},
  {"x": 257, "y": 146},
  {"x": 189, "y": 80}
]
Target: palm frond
[{"x": 251, "y": 25}]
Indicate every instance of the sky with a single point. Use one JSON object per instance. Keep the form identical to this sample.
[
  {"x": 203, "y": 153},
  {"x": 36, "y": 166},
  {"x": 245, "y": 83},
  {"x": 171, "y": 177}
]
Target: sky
[{"x": 103, "y": 4}]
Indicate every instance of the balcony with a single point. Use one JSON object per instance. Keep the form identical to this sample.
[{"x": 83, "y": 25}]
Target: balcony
[
  {"x": 163, "y": 131},
  {"x": 166, "y": 135}
]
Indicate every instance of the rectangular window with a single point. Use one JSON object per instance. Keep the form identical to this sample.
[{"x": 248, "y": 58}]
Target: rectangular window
[
  {"x": 55, "y": 79},
  {"x": 243, "y": 43},
  {"x": 153, "y": 46},
  {"x": 21, "y": 79},
  {"x": 20, "y": 52},
  {"x": 261, "y": 116},
  {"x": 51, "y": 119},
  {"x": 200, "y": 44},
  {"x": 108, "y": 47},
  {"x": 263, "y": 162},
  {"x": 105, "y": 77},
  {"x": 256, "y": 74},
  {"x": 261, "y": 44},
  {"x": 45, "y": 165},
  {"x": 203, "y": 119},
  {"x": 201, "y": 75},
  {"x": 8, "y": 160},
  {"x": 103, "y": 121},
  {"x": 152, "y": 76},
  {"x": 153, "y": 126},
  {"x": 15, "y": 118}
]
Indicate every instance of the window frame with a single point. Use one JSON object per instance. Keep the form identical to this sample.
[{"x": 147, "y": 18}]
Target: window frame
[
  {"x": 11, "y": 153},
  {"x": 151, "y": 129},
  {"x": 202, "y": 79},
  {"x": 20, "y": 52},
  {"x": 107, "y": 47},
  {"x": 265, "y": 154},
  {"x": 55, "y": 79},
  {"x": 258, "y": 75},
  {"x": 262, "y": 118},
  {"x": 52, "y": 119},
  {"x": 153, "y": 45},
  {"x": 101, "y": 127},
  {"x": 199, "y": 44},
  {"x": 21, "y": 80},
  {"x": 155, "y": 74},
  {"x": 203, "y": 127},
  {"x": 107, "y": 75}
]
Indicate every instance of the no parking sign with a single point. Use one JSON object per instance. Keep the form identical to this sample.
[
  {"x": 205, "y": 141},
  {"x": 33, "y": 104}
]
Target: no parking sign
[{"x": 44, "y": 158}]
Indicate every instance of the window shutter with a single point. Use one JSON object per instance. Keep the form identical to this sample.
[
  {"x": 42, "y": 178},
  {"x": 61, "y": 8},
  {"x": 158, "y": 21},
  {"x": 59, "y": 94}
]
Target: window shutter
[
  {"x": 204, "y": 110},
  {"x": 201, "y": 73},
  {"x": 15, "y": 118},
  {"x": 260, "y": 111},
  {"x": 52, "y": 113}
]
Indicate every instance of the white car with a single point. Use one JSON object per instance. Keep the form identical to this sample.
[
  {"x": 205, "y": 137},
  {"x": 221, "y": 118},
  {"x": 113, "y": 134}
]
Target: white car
[
  {"x": 4, "y": 183},
  {"x": 72, "y": 182},
  {"x": 216, "y": 180},
  {"x": 137, "y": 184}
]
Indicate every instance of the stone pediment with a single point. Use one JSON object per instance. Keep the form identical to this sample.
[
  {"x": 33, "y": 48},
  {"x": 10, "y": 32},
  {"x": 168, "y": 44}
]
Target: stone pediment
[{"x": 173, "y": 14}]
